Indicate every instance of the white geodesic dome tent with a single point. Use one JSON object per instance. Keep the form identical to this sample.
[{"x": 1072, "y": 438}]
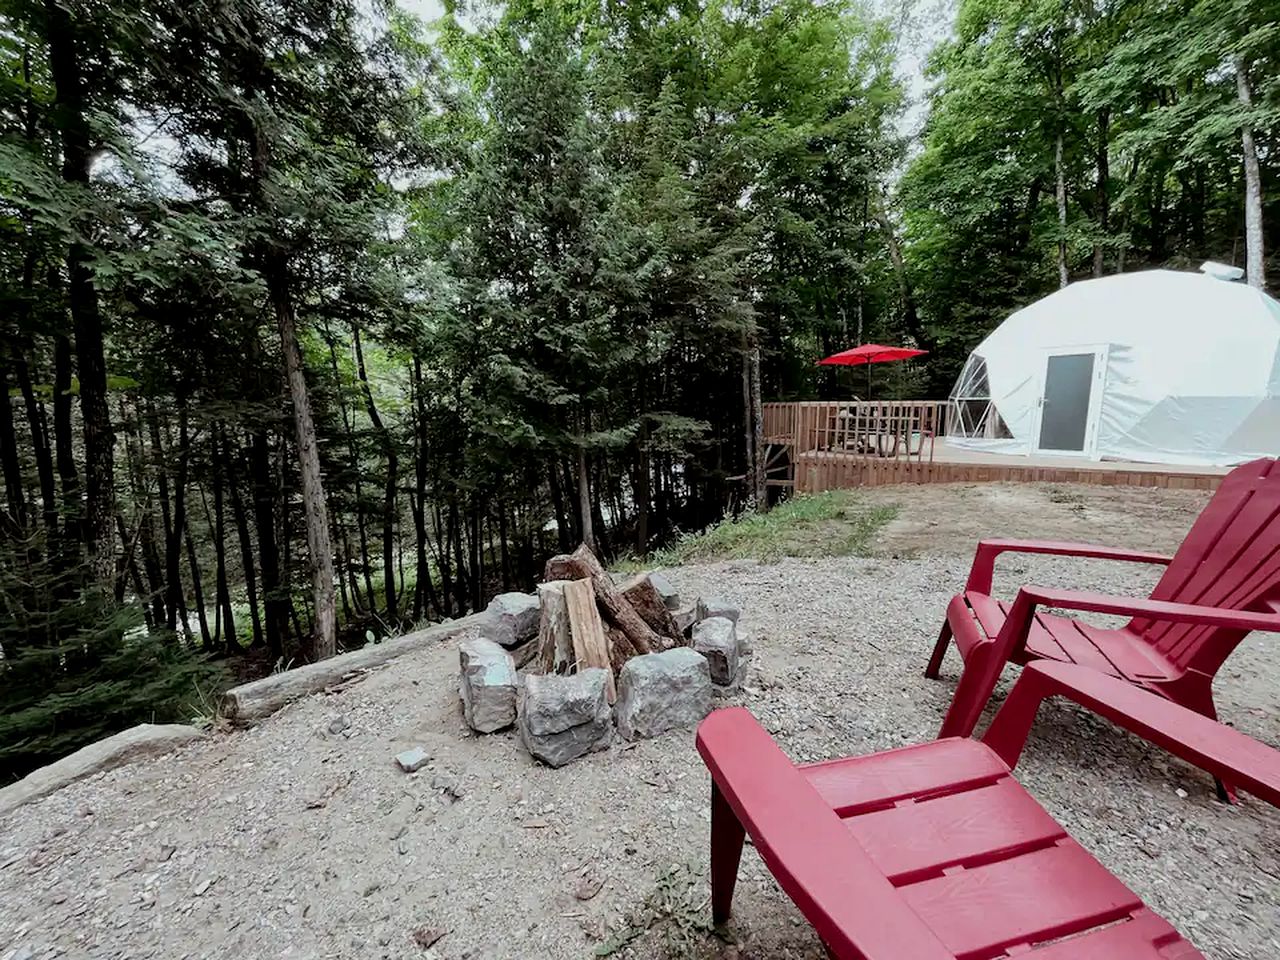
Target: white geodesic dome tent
[{"x": 1151, "y": 367}]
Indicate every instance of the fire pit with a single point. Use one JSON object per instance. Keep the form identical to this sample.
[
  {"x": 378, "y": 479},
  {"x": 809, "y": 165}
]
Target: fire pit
[{"x": 587, "y": 652}]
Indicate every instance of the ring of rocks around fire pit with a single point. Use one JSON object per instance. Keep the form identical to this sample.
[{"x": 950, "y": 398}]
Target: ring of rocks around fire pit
[{"x": 586, "y": 655}]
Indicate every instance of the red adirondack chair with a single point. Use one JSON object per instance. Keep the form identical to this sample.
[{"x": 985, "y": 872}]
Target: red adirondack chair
[
  {"x": 1223, "y": 582},
  {"x": 935, "y": 852}
]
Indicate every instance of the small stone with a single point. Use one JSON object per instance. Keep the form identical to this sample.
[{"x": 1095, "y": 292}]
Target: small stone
[
  {"x": 427, "y": 937},
  {"x": 709, "y": 607},
  {"x": 338, "y": 724},
  {"x": 587, "y": 888},
  {"x": 670, "y": 596},
  {"x": 1182, "y": 794},
  {"x": 448, "y": 784},
  {"x": 487, "y": 685},
  {"x": 512, "y": 619},
  {"x": 717, "y": 639},
  {"x": 658, "y": 692},
  {"x": 563, "y": 718},
  {"x": 203, "y": 888},
  {"x": 413, "y": 760}
]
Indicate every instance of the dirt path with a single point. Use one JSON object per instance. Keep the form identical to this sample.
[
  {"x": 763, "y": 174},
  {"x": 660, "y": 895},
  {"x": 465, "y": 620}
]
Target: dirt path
[
  {"x": 291, "y": 841},
  {"x": 950, "y": 518}
]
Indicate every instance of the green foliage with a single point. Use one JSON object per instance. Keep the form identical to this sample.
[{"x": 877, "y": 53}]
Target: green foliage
[
  {"x": 831, "y": 524},
  {"x": 97, "y": 671},
  {"x": 1143, "y": 95}
]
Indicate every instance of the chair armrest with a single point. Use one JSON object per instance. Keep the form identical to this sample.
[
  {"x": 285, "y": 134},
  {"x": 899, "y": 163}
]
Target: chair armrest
[
  {"x": 1017, "y": 625},
  {"x": 1151, "y": 609},
  {"x": 815, "y": 859},
  {"x": 984, "y": 559},
  {"x": 1226, "y": 753}
]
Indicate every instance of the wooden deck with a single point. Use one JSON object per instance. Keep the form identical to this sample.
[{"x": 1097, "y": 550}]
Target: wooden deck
[{"x": 838, "y": 445}]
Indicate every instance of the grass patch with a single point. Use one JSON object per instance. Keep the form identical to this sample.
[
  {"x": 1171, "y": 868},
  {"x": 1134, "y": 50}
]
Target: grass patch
[{"x": 832, "y": 524}]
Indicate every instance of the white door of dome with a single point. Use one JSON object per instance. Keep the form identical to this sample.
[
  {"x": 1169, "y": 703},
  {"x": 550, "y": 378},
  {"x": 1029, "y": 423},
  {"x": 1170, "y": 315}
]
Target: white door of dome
[{"x": 1070, "y": 398}]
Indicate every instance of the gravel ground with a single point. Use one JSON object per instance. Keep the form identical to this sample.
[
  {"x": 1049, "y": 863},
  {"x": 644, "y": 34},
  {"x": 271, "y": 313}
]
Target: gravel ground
[{"x": 288, "y": 840}]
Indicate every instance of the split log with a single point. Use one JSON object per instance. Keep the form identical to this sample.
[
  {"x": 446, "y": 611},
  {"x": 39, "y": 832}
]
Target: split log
[
  {"x": 620, "y": 648},
  {"x": 583, "y": 565},
  {"x": 590, "y": 647},
  {"x": 646, "y": 601},
  {"x": 555, "y": 643}
]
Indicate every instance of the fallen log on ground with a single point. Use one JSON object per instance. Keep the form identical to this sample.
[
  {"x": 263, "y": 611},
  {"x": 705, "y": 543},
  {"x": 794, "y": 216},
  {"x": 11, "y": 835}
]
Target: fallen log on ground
[{"x": 253, "y": 701}]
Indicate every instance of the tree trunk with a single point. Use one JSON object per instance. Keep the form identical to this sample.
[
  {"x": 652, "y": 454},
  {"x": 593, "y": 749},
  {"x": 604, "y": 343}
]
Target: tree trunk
[
  {"x": 39, "y": 427},
  {"x": 760, "y": 491},
  {"x": 584, "y": 494},
  {"x": 241, "y": 516},
  {"x": 174, "y": 532},
  {"x": 910, "y": 313},
  {"x": 223, "y": 599},
  {"x": 63, "y": 442},
  {"x": 748, "y": 425},
  {"x": 136, "y": 462},
  {"x": 1103, "y": 194},
  {"x": 325, "y": 643},
  {"x": 389, "y": 488},
  {"x": 643, "y": 492},
  {"x": 453, "y": 534},
  {"x": 159, "y": 457},
  {"x": 1064, "y": 276},
  {"x": 82, "y": 297},
  {"x": 1255, "y": 264},
  {"x": 563, "y": 525},
  {"x": 197, "y": 588},
  {"x": 353, "y": 454},
  {"x": 12, "y": 467},
  {"x": 275, "y": 602}
]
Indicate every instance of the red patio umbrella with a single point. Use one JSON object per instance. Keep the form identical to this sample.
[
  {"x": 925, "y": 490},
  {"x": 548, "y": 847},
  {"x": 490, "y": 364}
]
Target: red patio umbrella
[{"x": 869, "y": 353}]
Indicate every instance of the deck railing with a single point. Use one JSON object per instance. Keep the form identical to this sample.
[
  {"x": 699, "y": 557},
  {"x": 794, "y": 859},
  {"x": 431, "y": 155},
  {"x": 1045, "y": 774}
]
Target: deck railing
[{"x": 875, "y": 429}]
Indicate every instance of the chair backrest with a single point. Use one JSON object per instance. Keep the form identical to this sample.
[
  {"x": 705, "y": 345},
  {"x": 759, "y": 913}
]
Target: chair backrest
[{"x": 1230, "y": 558}]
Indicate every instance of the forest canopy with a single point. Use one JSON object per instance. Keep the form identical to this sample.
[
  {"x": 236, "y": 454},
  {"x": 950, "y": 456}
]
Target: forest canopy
[{"x": 323, "y": 321}]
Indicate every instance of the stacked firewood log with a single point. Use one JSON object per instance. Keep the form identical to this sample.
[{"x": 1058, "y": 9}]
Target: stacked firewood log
[{"x": 588, "y": 620}]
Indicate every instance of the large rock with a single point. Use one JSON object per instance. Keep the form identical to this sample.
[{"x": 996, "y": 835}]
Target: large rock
[
  {"x": 512, "y": 619},
  {"x": 716, "y": 638},
  {"x": 487, "y": 685},
  {"x": 669, "y": 594},
  {"x": 563, "y": 718},
  {"x": 709, "y": 607},
  {"x": 662, "y": 691}
]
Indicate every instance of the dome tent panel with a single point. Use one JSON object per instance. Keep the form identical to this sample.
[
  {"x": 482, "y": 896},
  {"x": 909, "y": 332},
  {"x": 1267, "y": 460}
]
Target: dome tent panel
[{"x": 1187, "y": 361}]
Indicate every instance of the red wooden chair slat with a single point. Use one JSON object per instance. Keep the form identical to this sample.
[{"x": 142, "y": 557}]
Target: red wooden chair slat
[
  {"x": 914, "y": 840},
  {"x": 1145, "y": 936},
  {"x": 1230, "y": 560},
  {"x": 1031, "y": 898},
  {"x": 935, "y": 852},
  {"x": 859, "y": 783}
]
